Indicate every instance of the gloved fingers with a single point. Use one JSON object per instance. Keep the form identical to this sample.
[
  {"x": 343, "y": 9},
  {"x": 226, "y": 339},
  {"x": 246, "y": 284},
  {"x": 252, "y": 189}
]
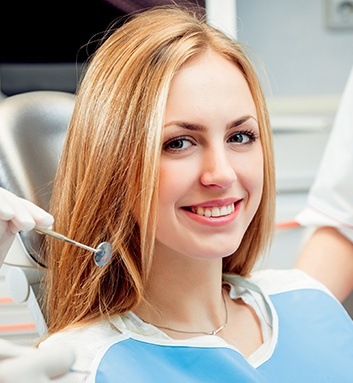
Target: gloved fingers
[
  {"x": 5, "y": 232},
  {"x": 22, "y": 370},
  {"x": 20, "y": 214},
  {"x": 12, "y": 350},
  {"x": 50, "y": 364},
  {"x": 41, "y": 217},
  {"x": 56, "y": 360}
]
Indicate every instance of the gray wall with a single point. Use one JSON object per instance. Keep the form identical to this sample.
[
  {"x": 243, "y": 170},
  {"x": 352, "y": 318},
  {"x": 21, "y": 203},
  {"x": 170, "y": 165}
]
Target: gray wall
[{"x": 289, "y": 40}]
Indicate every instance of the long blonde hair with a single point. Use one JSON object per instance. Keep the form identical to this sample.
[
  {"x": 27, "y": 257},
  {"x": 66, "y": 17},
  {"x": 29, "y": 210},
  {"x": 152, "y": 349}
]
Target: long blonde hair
[{"x": 107, "y": 179}]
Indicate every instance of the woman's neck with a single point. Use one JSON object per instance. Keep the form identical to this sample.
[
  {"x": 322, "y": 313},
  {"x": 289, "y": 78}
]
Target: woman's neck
[{"x": 184, "y": 293}]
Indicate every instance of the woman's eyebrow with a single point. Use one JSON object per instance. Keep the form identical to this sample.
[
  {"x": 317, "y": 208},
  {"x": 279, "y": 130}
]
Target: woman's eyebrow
[
  {"x": 188, "y": 126},
  {"x": 202, "y": 128},
  {"x": 241, "y": 120}
]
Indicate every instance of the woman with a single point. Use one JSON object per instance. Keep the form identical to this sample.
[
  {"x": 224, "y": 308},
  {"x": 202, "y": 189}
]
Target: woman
[{"x": 169, "y": 157}]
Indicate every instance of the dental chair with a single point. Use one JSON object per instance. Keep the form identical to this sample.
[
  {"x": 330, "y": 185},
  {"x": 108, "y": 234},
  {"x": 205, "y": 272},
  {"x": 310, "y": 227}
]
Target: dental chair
[{"x": 32, "y": 131}]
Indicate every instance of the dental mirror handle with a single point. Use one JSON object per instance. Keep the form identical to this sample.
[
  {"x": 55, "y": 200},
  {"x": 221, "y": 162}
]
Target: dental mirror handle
[{"x": 63, "y": 238}]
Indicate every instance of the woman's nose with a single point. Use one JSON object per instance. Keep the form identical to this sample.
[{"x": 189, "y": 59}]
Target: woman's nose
[{"x": 217, "y": 170}]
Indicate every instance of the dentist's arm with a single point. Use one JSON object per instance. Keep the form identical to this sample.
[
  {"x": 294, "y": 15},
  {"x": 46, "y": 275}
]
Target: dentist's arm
[
  {"x": 20, "y": 364},
  {"x": 328, "y": 257},
  {"x": 328, "y": 254}
]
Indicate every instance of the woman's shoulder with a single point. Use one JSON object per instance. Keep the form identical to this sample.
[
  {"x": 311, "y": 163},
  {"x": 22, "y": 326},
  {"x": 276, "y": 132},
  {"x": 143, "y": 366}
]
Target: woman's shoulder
[{"x": 274, "y": 281}]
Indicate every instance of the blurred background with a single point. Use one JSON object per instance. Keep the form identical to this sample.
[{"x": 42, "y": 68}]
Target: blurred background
[
  {"x": 304, "y": 46},
  {"x": 303, "y": 53}
]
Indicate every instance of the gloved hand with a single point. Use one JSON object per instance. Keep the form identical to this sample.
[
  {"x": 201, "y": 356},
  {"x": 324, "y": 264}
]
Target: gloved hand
[
  {"x": 18, "y": 214},
  {"x": 21, "y": 364},
  {"x": 330, "y": 198}
]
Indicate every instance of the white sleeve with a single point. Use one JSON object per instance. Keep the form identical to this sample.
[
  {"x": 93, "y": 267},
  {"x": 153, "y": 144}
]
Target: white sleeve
[{"x": 330, "y": 198}]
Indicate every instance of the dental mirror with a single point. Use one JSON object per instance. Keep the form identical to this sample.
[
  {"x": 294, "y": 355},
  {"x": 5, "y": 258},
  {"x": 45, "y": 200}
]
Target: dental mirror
[{"x": 102, "y": 254}]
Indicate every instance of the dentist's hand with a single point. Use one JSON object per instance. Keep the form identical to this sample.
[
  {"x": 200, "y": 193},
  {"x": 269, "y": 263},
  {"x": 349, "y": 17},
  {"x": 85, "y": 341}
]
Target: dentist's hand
[
  {"x": 18, "y": 214},
  {"x": 21, "y": 364}
]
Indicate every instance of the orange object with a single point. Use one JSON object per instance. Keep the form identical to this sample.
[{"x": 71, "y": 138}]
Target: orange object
[
  {"x": 17, "y": 327},
  {"x": 4, "y": 300},
  {"x": 287, "y": 224}
]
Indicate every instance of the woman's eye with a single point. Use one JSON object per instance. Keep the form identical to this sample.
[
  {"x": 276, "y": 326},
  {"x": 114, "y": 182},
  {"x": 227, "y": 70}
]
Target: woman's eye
[
  {"x": 242, "y": 138},
  {"x": 177, "y": 144}
]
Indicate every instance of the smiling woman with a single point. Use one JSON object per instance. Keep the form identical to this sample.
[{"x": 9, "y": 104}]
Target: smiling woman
[{"x": 169, "y": 158}]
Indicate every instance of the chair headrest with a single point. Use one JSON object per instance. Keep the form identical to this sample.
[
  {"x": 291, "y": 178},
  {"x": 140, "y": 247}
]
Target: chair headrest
[{"x": 32, "y": 131}]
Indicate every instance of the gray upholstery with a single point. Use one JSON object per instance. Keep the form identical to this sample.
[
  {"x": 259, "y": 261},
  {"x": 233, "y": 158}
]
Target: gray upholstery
[{"x": 32, "y": 130}]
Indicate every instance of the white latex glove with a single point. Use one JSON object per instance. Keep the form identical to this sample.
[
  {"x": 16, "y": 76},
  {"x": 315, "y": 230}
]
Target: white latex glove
[
  {"x": 330, "y": 198},
  {"x": 18, "y": 214},
  {"x": 21, "y": 364}
]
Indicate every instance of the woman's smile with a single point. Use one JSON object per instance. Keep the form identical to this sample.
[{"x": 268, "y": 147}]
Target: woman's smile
[
  {"x": 216, "y": 212},
  {"x": 214, "y": 216}
]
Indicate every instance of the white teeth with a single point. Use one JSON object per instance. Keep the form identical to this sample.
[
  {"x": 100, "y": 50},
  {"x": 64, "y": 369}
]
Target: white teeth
[
  {"x": 223, "y": 211},
  {"x": 199, "y": 211},
  {"x": 214, "y": 211},
  {"x": 208, "y": 213}
]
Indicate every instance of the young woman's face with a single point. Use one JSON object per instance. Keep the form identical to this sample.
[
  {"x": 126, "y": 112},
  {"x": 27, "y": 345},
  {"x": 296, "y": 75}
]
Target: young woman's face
[{"x": 211, "y": 174}]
